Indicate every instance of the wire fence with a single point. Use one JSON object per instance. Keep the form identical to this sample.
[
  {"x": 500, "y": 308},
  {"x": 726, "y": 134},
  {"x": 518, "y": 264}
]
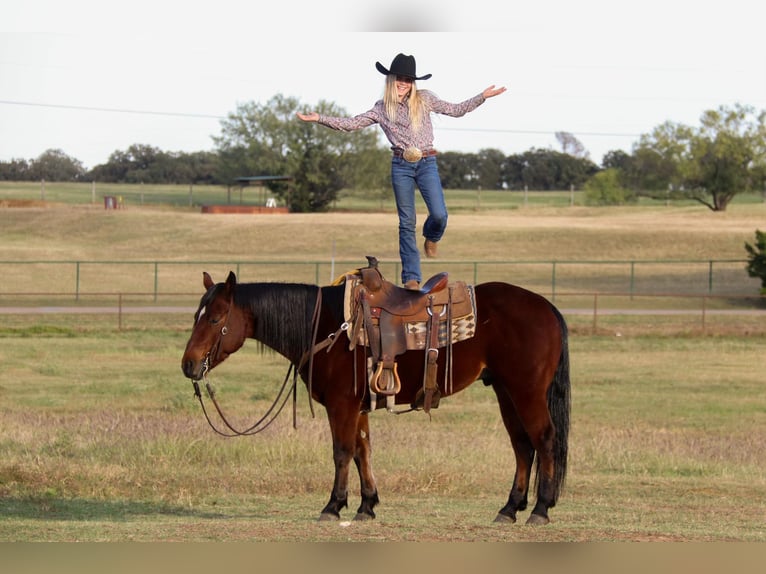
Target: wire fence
[
  {"x": 72, "y": 279},
  {"x": 590, "y": 312}
]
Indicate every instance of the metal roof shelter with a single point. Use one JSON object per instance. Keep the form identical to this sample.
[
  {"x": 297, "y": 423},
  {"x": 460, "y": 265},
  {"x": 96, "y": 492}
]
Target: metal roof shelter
[{"x": 256, "y": 180}]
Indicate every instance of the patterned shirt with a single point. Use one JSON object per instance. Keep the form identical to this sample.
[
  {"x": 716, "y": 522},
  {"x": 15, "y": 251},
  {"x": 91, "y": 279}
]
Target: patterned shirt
[{"x": 400, "y": 132}]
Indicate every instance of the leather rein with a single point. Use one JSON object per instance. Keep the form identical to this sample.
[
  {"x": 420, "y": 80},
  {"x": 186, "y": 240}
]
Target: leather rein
[{"x": 285, "y": 390}]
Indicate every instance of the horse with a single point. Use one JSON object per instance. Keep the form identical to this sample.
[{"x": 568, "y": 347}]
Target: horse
[{"x": 519, "y": 349}]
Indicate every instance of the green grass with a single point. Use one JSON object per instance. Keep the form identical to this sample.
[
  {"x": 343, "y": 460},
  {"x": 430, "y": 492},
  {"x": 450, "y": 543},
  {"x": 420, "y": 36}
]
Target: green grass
[
  {"x": 349, "y": 200},
  {"x": 115, "y": 448},
  {"x": 101, "y": 438}
]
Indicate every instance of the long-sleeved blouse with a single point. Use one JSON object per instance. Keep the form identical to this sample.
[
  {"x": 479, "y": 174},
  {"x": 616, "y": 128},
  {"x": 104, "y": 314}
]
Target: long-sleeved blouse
[{"x": 400, "y": 132}]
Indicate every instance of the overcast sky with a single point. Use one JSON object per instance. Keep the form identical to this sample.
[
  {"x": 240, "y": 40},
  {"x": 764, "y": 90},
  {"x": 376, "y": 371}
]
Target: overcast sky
[{"x": 92, "y": 77}]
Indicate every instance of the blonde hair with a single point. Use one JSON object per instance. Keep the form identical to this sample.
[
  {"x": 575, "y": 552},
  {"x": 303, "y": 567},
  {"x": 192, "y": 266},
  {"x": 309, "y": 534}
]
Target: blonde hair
[{"x": 416, "y": 104}]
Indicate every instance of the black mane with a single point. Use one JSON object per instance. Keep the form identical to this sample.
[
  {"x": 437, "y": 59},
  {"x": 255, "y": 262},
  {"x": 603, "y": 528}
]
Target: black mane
[{"x": 283, "y": 312}]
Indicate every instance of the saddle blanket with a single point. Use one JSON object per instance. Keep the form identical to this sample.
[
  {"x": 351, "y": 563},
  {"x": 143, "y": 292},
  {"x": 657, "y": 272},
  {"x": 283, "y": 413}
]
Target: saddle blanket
[{"x": 463, "y": 317}]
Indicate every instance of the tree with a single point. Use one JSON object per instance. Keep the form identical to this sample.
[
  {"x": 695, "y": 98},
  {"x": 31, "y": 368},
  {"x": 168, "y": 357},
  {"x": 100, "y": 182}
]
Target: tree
[
  {"x": 55, "y": 165},
  {"x": 711, "y": 164},
  {"x": 260, "y": 139},
  {"x": 616, "y": 158},
  {"x": 203, "y": 166},
  {"x": 570, "y": 145},
  {"x": 546, "y": 169},
  {"x": 140, "y": 163},
  {"x": 653, "y": 168},
  {"x": 491, "y": 167},
  {"x": 727, "y": 156},
  {"x": 756, "y": 266},
  {"x": 457, "y": 170},
  {"x": 146, "y": 164},
  {"x": 15, "y": 170},
  {"x": 484, "y": 170}
]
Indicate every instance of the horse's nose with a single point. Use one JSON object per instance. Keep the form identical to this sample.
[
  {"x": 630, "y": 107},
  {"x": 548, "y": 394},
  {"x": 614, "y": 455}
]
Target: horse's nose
[{"x": 188, "y": 368}]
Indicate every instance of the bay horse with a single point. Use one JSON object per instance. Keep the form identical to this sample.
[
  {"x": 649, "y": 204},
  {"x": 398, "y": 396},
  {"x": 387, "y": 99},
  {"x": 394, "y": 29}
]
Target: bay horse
[{"x": 520, "y": 349}]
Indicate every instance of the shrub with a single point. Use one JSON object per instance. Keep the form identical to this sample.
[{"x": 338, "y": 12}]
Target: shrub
[
  {"x": 605, "y": 188},
  {"x": 756, "y": 266}
]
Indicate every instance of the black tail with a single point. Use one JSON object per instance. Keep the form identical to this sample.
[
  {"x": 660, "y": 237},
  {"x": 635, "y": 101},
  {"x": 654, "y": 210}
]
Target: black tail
[{"x": 559, "y": 406}]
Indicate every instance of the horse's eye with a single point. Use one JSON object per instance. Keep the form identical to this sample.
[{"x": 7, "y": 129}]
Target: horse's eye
[{"x": 214, "y": 321}]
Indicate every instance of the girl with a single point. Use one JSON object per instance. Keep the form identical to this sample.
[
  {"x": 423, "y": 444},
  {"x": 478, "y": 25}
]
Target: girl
[{"x": 404, "y": 116}]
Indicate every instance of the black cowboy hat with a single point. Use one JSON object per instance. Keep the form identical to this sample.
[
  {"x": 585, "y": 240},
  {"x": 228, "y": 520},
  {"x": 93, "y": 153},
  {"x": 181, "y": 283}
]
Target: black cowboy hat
[{"x": 402, "y": 66}]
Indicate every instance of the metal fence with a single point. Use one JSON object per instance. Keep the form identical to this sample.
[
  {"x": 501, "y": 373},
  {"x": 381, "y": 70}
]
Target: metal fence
[
  {"x": 585, "y": 312},
  {"x": 71, "y": 279}
]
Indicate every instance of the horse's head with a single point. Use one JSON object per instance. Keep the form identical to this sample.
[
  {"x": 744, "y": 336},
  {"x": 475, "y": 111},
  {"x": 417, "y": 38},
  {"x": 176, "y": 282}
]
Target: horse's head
[{"x": 219, "y": 328}]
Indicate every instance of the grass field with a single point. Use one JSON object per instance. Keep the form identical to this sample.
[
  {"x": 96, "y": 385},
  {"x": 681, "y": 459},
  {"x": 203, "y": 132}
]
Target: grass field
[
  {"x": 667, "y": 444},
  {"x": 101, "y": 438}
]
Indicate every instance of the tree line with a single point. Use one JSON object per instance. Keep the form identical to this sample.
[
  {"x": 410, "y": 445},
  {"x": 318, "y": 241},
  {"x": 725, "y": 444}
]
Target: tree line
[
  {"x": 710, "y": 164},
  {"x": 536, "y": 169}
]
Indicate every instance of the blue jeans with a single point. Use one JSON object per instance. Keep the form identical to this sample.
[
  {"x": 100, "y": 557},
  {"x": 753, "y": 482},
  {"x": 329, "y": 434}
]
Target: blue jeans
[{"x": 404, "y": 177}]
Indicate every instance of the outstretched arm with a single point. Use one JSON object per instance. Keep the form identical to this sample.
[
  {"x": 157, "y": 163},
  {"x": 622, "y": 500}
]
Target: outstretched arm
[{"x": 492, "y": 91}]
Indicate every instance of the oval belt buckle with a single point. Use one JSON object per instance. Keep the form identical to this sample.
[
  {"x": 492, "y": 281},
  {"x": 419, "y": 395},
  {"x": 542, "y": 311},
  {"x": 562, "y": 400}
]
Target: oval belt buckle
[{"x": 412, "y": 154}]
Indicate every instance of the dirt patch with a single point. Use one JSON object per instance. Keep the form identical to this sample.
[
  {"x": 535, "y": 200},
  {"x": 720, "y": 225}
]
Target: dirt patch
[
  {"x": 242, "y": 209},
  {"x": 5, "y": 203}
]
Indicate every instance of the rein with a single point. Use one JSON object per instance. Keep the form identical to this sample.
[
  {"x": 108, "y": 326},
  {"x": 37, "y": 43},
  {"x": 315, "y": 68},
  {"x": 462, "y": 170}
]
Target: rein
[
  {"x": 264, "y": 422},
  {"x": 281, "y": 399}
]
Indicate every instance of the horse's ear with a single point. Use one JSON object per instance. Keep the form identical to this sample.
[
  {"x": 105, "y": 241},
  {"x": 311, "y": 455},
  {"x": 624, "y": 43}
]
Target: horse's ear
[
  {"x": 207, "y": 280},
  {"x": 231, "y": 280}
]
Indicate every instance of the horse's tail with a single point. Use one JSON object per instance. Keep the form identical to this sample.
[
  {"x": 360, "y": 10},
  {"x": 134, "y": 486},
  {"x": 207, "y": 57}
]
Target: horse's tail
[{"x": 559, "y": 406}]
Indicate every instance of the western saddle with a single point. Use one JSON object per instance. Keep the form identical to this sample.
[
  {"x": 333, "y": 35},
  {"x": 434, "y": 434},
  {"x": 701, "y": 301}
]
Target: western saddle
[{"x": 390, "y": 320}]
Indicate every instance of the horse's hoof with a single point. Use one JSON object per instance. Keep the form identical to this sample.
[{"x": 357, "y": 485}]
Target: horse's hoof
[
  {"x": 505, "y": 519},
  {"x": 328, "y": 517},
  {"x": 537, "y": 520},
  {"x": 363, "y": 516}
]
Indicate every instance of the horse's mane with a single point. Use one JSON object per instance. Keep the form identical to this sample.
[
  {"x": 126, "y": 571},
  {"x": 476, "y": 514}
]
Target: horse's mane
[{"x": 282, "y": 314}]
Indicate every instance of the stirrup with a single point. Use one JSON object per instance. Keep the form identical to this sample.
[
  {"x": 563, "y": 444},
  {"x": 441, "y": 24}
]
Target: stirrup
[{"x": 393, "y": 384}]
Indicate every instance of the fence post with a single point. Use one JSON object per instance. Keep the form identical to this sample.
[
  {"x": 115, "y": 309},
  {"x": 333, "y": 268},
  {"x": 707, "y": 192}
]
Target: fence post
[
  {"x": 595, "y": 312},
  {"x": 632, "y": 278},
  {"x": 710, "y": 277},
  {"x": 156, "y": 280},
  {"x": 704, "y": 312},
  {"x": 553, "y": 282},
  {"x": 119, "y": 311},
  {"x": 77, "y": 281}
]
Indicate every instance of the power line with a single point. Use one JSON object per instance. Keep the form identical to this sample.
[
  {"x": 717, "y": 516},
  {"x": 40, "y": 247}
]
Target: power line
[
  {"x": 216, "y": 117},
  {"x": 539, "y": 132},
  {"x": 111, "y": 110}
]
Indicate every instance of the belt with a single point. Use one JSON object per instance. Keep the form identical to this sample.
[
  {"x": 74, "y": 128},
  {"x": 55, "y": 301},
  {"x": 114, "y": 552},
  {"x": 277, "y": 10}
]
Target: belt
[{"x": 427, "y": 153}]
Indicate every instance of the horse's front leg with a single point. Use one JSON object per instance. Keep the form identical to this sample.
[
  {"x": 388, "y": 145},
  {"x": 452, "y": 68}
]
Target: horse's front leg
[
  {"x": 364, "y": 466},
  {"x": 343, "y": 424}
]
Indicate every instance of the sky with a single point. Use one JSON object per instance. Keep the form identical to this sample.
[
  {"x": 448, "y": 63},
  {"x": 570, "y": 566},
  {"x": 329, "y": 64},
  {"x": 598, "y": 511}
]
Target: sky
[{"x": 94, "y": 77}]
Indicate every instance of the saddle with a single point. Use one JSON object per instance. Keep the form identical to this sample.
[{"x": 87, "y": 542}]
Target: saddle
[{"x": 390, "y": 320}]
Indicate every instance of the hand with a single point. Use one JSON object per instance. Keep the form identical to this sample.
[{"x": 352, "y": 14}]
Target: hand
[
  {"x": 310, "y": 117},
  {"x": 492, "y": 91}
]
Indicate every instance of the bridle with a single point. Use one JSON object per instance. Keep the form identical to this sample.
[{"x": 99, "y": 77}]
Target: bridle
[
  {"x": 285, "y": 390},
  {"x": 271, "y": 414}
]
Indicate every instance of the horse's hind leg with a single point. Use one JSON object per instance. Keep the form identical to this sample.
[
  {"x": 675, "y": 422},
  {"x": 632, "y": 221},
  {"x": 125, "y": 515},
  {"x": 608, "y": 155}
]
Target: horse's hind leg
[
  {"x": 524, "y": 453},
  {"x": 541, "y": 435},
  {"x": 364, "y": 466}
]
